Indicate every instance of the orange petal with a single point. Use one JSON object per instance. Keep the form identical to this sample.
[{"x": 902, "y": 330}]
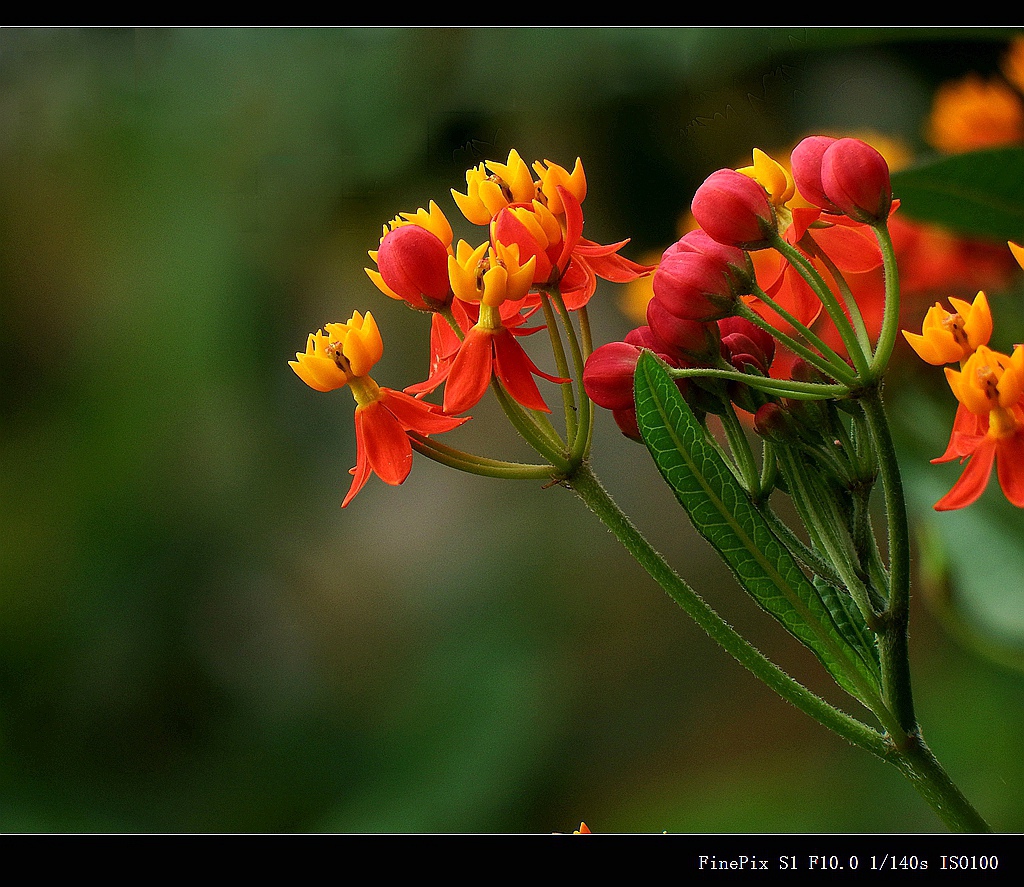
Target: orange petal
[
  {"x": 417, "y": 415},
  {"x": 974, "y": 479},
  {"x": 1010, "y": 467},
  {"x": 361, "y": 472},
  {"x": 470, "y": 373},
  {"x": 515, "y": 370},
  {"x": 387, "y": 447}
]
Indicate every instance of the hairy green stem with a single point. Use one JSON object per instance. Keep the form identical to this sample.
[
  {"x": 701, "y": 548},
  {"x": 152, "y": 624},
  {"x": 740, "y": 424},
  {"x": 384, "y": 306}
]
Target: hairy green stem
[
  {"x": 562, "y": 367},
  {"x": 481, "y": 465},
  {"x": 893, "y": 638},
  {"x": 891, "y": 315},
  {"x": 824, "y": 358},
  {"x": 780, "y": 387}
]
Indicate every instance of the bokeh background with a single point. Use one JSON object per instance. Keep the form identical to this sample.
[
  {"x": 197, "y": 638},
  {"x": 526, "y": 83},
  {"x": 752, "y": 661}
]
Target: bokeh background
[{"x": 195, "y": 637}]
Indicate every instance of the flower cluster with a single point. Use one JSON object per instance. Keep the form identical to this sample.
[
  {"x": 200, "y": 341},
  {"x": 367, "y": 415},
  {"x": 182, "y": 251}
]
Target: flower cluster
[
  {"x": 480, "y": 297},
  {"x": 773, "y": 251},
  {"x": 988, "y": 430}
]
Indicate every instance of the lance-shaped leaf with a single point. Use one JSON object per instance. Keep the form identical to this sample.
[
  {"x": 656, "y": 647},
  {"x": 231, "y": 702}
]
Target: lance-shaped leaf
[{"x": 722, "y": 512}]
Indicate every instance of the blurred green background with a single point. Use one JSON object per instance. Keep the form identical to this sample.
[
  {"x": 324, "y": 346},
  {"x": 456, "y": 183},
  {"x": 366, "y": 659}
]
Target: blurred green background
[{"x": 195, "y": 637}]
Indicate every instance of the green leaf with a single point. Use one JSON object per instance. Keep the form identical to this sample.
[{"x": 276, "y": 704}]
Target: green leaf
[
  {"x": 980, "y": 193},
  {"x": 850, "y": 622},
  {"x": 723, "y": 513}
]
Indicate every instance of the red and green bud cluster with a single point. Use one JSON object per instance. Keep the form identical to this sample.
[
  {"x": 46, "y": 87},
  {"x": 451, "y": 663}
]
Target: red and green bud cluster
[
  {"x": 705, "y": 278},
  {"x": 690, "y": 323}
]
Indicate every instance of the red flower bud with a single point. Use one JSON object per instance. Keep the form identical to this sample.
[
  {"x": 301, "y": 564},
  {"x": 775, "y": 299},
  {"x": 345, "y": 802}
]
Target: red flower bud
[
  {"x": 736, "y": 261},
  {"x": 744, "y": 342},
  {"x": 609, "y": 371},
  {"x": 694, "y": 286},
  {"x": 734, "y": 210},
  {"x": 628, "y": 424},
  {"x": 413, "y": 263},
  {"x": 690, "y": 340},
  {"x": 645, "y": 337},
  {"x": 771, "y": 421},
  {"x": 608, "y": 375},
  {"x": 805, "y": 161},
  {"x": 699, "y": 241},
  {"x": 855, "y": 177}
]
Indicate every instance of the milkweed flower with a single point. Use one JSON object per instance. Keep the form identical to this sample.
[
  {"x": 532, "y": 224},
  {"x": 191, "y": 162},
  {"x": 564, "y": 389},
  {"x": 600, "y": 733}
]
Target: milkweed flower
[
  {"x": 975, "y": 112},
  {"x": 489, "y": 276},
  {"x": 554, "y": 179},
  {"x": 496, "y": 281},
  {"x": 989, "y": 427},
  {"x": 952, "y": 336},
  {"x": 549, "y": 226},
  {"x": 343, "y": 354}
]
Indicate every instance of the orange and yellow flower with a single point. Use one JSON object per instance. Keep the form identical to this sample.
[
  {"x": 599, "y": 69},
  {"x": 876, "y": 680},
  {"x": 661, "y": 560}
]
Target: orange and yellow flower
[
  {"x": 491, "y": 186},
  {"x": 975, "y": 112},
  {"x": 543, "y": 218},
  {"x": 989, "y": 427},
  {"x": 343, "y": 354}
]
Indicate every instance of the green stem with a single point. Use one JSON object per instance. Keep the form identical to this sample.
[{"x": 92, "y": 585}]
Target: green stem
[
  {"x": 895, "y": 620},
  {"x": 891, "y": 315},
  {"x": 749, "y": 476},
  {"x": 535, "y": 428},
  {"x": 824, "y": 358},
  {"x": 480, "y": 465},
  {"x": 817, "y": 509},
  {"x": 921, "y": 767},
  {"x": 581, "y": 445},
  {"x": 562, "y": 368},
  {"x": 852, "y": 308},
  {"x": 828, "y": 300},
  {"x": 781, "y": 387}
]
